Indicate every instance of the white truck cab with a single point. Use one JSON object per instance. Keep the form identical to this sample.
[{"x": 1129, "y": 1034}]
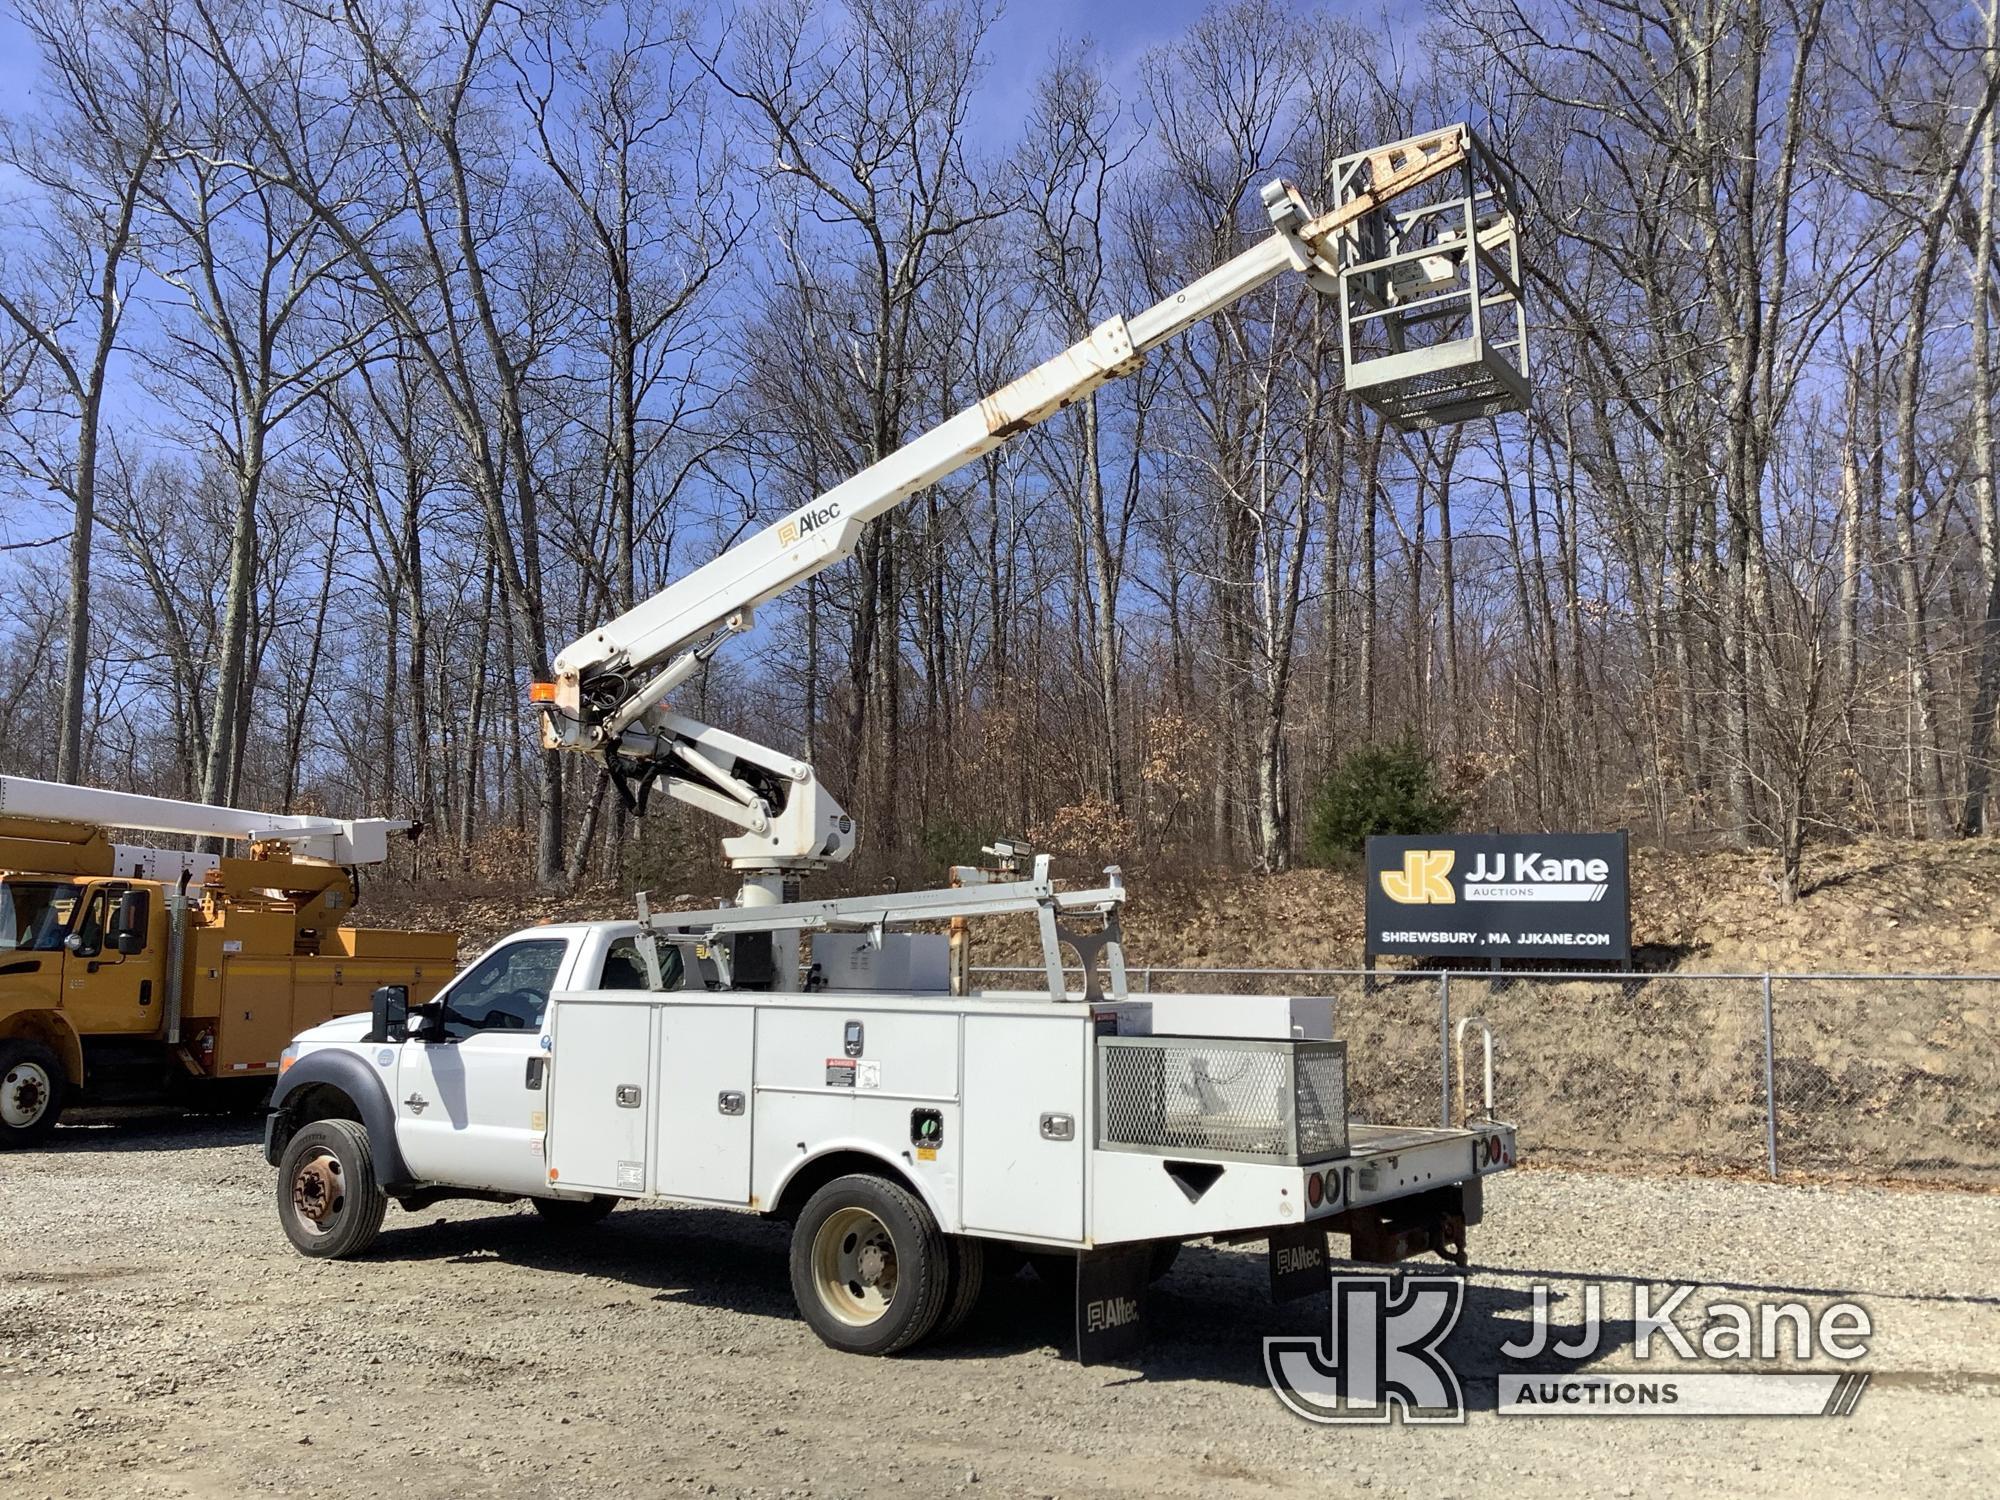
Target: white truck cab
[{"x": 913, "y": 1135}]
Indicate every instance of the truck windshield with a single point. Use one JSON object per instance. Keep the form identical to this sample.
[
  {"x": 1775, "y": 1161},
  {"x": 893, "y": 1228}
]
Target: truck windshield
[{"x": 34, "y": 915}]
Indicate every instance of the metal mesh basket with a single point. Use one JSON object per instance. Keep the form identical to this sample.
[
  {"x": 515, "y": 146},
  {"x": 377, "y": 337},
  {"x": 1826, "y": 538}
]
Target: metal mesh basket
[{"x": 1233, "y": 1098}]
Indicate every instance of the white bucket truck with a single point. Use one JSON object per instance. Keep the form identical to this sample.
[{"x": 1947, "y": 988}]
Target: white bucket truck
[{"x": 905, "y": 1126}]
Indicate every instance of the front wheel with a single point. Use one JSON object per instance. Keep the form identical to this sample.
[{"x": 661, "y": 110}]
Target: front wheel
[
  {"x": 328, "y": 1198},
  {"x": 31, "y": 1092},
  {"x": 870, "y": 1271}
]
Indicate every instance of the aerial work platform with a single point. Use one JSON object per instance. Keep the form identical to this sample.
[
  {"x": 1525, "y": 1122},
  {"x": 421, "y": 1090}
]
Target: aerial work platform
[{"x": 1433, "y": 326}]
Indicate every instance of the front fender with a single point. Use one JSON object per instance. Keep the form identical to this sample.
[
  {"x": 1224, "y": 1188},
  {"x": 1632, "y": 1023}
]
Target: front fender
[
  {"x": 362, "y": 1084},
  {"x": 53, "y": 1030}
]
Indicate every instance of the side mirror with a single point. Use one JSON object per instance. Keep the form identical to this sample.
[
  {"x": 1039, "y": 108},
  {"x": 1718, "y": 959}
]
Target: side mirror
[
  {"x": 128, "y": 929},
  {"x": 74, "y": 942},
  {"x": 426, "y": 1023},
  {"x": 391, "y": 1007}
]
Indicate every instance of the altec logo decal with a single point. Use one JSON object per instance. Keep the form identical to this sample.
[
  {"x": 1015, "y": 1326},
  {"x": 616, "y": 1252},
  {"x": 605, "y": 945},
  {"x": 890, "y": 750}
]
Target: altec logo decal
[
  {"x": 1110, "y": 1312},
  {"x": 1301, "y": 1258},
  {"x": 803, "y": 525},
  {"x": 1423, "y": 879}
]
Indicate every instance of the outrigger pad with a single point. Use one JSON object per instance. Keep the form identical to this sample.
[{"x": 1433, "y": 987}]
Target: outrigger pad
[{"x": 1111, "y": 1303}]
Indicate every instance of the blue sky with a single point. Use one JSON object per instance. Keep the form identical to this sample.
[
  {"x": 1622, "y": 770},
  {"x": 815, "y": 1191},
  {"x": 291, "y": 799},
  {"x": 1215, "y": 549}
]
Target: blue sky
[
  {"x": 1125, "y": 28},
  {"x": 1017, "y": 52}
]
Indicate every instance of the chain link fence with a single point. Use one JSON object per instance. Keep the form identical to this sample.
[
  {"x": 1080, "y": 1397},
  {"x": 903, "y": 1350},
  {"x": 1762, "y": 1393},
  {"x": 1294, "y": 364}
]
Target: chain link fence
[{"x": 1866, "y": 1076}]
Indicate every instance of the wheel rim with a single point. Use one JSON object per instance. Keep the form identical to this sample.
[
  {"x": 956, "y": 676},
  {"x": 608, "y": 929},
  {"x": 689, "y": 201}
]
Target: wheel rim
[
  {"x": 319, "y": 1192},
  {"x": 24, "y": 1095},
  {"x": 854, "y": 1267}
]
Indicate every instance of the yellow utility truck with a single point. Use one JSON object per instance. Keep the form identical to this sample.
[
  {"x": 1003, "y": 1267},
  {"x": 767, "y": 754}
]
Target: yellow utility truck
[{"x": 131, "y": 974}]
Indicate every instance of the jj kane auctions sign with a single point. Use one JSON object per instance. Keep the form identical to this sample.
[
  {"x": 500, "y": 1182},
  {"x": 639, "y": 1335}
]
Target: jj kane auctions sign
[{"x": 1525, "y": 895}]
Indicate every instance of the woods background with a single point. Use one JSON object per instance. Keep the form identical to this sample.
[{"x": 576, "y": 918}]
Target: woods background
[{"x": 357, "y": 355}]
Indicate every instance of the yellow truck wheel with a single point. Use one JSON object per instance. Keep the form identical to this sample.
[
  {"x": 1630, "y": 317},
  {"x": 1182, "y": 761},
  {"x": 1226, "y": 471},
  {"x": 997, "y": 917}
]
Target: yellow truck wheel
[{"x": 31, "y": 1092}]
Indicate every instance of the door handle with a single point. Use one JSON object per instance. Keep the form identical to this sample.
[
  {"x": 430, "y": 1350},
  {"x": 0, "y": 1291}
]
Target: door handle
[
  {"x": 417, "y": 1103},
  {"x": 536, "y": 1066}
]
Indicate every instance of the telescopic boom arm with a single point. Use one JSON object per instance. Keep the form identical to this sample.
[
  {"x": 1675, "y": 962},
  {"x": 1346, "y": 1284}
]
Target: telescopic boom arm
[
  {"x": 610, "y": 689},
  {"x": 339, "y": 841}
]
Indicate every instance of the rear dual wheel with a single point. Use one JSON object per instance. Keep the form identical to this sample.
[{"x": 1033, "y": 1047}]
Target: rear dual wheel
[{"x": 873, "y": 1274}]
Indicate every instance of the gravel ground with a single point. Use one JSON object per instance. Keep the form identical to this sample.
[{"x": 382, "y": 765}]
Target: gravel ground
[{"x": 159, "y": 1336}]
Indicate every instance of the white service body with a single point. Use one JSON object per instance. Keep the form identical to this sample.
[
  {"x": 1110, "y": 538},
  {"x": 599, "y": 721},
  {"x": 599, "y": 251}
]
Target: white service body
[
  {"x": 994, "y": 1068},
  {"x": 722, "y": 1097}
]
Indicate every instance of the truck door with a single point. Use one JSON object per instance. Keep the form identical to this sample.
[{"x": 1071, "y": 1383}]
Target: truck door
[
  {"x": 470, "y": 1105},
  {"x": 35, "y": 917},
  {"x": 112, "y": 970}
]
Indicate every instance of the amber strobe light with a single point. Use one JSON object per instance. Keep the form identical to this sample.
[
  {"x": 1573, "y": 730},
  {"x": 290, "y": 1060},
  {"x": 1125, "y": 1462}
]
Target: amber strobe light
[{"x": 541, "y": 692}]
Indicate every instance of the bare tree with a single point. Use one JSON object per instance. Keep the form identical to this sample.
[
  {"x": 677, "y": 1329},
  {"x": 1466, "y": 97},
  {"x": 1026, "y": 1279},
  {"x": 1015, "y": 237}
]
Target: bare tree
[{"x": 88, "y": 158}]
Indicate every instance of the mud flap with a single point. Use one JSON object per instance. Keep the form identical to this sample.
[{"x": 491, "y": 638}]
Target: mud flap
[
  {"x": 1298, "y": 1262},
  {"x": 1111, "y": 1303}
]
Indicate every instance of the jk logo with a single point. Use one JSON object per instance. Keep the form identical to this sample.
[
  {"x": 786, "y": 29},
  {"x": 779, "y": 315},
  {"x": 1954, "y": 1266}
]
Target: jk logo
[
  {"x": 1421, "y": 881},
  {"x": 1381, "y": 1352}
]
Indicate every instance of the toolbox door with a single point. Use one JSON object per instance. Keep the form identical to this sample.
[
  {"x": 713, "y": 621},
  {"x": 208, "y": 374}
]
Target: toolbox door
[
  {"x": 1024, "y": 1124},
  {"x": 705, "y": 1102},
  {"x": 601, "y": 1093}
]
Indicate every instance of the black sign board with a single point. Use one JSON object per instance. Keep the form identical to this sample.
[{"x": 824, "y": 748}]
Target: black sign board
[{"x": 1501, "y": 895}]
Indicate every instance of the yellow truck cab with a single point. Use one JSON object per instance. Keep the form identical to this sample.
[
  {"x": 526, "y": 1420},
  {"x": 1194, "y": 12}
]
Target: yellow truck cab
[{"x": 130, "y": 975}]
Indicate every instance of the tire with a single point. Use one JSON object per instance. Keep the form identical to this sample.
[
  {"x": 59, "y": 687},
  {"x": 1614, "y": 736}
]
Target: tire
[
  {"x": 32, "y": 1088},
  {"x": 966, "y": 1262},
  {"x": 870, "y": 1270},
  {"x": 329, "y": 1200},
  {"x": 576, "y": 1212}
]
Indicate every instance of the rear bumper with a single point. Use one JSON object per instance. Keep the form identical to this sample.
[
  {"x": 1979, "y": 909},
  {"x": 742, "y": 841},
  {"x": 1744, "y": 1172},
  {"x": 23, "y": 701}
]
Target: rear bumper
[{"x": 1139, "y": 1196}]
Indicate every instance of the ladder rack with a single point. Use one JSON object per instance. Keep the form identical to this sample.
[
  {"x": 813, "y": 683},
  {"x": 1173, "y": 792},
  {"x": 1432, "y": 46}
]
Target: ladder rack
[{"x": 880, "y": 912}]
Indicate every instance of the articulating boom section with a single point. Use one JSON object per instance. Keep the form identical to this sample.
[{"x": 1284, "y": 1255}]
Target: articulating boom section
[{"x": 610, "y": 689}]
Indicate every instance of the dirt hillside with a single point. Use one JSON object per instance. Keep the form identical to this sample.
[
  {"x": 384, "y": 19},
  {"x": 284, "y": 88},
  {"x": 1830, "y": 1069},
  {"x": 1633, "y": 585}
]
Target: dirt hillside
[
  {"x": 1872, "y": 1079},
  {"x": 1874, "y": 907}
]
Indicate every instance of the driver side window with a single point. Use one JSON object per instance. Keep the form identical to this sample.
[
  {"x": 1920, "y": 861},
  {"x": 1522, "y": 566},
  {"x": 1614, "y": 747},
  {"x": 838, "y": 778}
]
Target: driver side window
[{"x": 507, "y": 990}]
